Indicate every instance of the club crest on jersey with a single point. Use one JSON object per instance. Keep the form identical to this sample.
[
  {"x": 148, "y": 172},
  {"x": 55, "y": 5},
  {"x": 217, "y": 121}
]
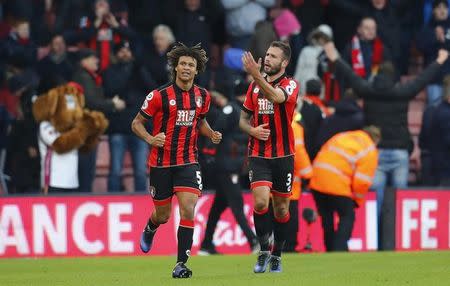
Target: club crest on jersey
[
  {"x": 152, "y": 191},
  {"x": 185, "y": 117},
  {"x": 198, "y": 101},
  {"x": 256, "y": 90},
  {"x": 172, "y": 102},
  {"x": 265, "y": 106}
]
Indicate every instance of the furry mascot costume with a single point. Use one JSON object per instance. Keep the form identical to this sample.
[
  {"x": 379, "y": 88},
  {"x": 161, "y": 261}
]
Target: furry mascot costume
[{"x": 65, "y": 127}]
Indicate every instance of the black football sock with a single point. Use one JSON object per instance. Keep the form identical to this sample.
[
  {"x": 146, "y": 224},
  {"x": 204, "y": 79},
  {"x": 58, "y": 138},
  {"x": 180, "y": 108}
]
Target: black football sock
[
  {"x": 185, "y": 234},
  {"x": 263, "y": 227},
  {"x": 280, "y": 230}
]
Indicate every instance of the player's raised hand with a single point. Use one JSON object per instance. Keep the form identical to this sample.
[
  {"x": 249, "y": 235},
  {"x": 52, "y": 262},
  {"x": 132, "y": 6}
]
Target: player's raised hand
[
  {"x": 261, "y": 132},
  {"x": 250, "y": 65},
  {"x": 158, "y": 140},
  {"x": 216, "y": 137}
]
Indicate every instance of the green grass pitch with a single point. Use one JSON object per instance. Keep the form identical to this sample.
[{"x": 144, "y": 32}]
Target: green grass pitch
[{"x": 378, "y": 268}]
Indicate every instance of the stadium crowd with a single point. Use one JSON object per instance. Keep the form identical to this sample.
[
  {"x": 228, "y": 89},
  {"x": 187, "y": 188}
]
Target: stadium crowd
[{"x": 115, "y": 50}]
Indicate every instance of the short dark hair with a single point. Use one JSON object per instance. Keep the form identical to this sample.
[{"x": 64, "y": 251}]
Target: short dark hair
[
  {"x": 439, "y": 2},
  {"x": 373, "y": 131},
  {"x": 180, "y": 50},
  {"x": 284, "y": 47}
]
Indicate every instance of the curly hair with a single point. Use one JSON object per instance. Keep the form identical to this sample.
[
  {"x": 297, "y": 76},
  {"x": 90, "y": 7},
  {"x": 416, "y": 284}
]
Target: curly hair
[{"x": 180, "y": 50}]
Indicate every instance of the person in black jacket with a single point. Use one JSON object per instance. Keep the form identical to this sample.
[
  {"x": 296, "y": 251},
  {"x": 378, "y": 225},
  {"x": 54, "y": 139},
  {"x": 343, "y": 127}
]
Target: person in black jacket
[
  {"x": 348, "y": 116},
  {"x": 386, "y": 106},
  {"x": 229, "y": 161},
  {"x": 440, "y": 138}
]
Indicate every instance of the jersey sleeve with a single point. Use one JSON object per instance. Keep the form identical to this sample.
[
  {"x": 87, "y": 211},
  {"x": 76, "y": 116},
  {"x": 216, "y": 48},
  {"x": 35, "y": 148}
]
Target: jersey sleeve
[
  {"x": 206, "y": 105},
  {"x": 248, "y": 102},
  {"x": 152, "y": 104},
  {"x": 48, "y": 133},
  {"x": 290, "y": 88}
]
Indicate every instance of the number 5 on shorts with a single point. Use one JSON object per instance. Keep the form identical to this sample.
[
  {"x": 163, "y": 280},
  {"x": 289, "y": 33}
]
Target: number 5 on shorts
[
  {"x": 289, "y": 182},
  {"x": 199, "y": 180}
]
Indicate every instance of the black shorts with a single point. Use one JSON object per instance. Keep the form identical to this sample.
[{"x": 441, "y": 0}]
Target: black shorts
[
  {"x": 164, "y": 182},
  {"x": 277, "y": 174}
]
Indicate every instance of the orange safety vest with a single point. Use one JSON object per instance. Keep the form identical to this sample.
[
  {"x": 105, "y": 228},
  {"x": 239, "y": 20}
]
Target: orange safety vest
[
  {"x": 345, "y": 165},
  {"x": 302, "y": 163}
]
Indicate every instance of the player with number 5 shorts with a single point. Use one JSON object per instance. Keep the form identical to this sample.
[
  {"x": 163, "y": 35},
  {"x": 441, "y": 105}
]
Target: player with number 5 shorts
[{"x": 177, "y": 112}]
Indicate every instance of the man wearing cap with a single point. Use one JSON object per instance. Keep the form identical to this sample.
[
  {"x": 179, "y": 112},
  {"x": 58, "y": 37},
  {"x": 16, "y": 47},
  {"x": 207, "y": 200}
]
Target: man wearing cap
[
  {"x": 91, "y": 81},
  {"x": 308, "y": 61}
]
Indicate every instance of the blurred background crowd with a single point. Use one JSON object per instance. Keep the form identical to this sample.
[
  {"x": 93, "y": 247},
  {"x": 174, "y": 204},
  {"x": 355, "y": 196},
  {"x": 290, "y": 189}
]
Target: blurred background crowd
[{"x": 115, "y": 50}]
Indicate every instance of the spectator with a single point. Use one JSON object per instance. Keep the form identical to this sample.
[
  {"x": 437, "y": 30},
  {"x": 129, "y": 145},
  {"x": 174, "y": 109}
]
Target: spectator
[
  {"x": 193, "y": 27},
  {"x": 18, "y": 49},
  {"x": 91, "y": 81},
  {"x": 312, "y": 115},
  {"x": 386, "y": 106},
  {"x": 342, "y": 174},
  {"x": 154, "y": 56},
  {"x": 433, "y": 37},
  {"x": 366, "y": 51},
  {"x": 102, "y": 32},
  {"x": 313, "y": 91},
  {"x": 427, "y": 10},
  {"x": 348, "y": 116},
  {"x": 128, "y": 80},
  {"x": 241, "y": 17},
  {"x": 23, "y": 163},
  {"x": 308, "y": 63},
  {"x": 387, "y": 15},
  {"x": 440, "y": 139},
  {"x": 57, "y": 62}
]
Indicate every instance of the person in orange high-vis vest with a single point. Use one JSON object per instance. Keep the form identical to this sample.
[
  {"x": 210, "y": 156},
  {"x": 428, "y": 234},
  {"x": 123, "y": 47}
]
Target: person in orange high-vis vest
[
  {"x": 342, "y": 174},
  {"x": 302, "y": 170}
]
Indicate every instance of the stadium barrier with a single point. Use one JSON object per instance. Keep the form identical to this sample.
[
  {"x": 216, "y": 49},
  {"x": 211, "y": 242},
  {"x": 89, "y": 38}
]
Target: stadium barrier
[{"x": 110, "y": 225}]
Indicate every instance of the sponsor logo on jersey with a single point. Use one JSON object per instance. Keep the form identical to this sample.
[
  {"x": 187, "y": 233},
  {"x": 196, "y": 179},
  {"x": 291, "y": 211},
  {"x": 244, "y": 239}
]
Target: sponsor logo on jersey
[
  {"x": 265, "y": 106},
  {"x": 185, "y": 117}
]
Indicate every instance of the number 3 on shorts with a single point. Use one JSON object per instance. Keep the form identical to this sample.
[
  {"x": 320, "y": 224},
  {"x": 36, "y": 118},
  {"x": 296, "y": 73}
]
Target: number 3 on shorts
[
  {"x": 199, "y": 180},
  {"x": 288, "y": 182}
]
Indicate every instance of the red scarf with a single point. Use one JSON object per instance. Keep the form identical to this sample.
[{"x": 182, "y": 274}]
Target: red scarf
[
  {"x": 358, "y": 60},
  {"x": 332, "y": 88},
  {"x": 96, "y": 77}
]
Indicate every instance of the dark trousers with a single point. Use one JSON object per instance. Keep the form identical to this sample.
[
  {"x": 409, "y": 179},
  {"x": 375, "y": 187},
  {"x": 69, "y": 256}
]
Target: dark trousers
[
  {"x": 291, "y": 240},
  {"x": 55, "y": 190},
  {"x": 228, "y": 194},
  {"x": 328, "y": 205},
  {"x": 86, "y": 170}
]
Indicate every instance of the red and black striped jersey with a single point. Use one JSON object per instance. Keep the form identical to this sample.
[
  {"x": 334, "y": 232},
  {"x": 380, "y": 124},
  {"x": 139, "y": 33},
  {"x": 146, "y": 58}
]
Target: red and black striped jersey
[
  {"x": 278, "y": 116},
  {"x": 176, "y": 113}
]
